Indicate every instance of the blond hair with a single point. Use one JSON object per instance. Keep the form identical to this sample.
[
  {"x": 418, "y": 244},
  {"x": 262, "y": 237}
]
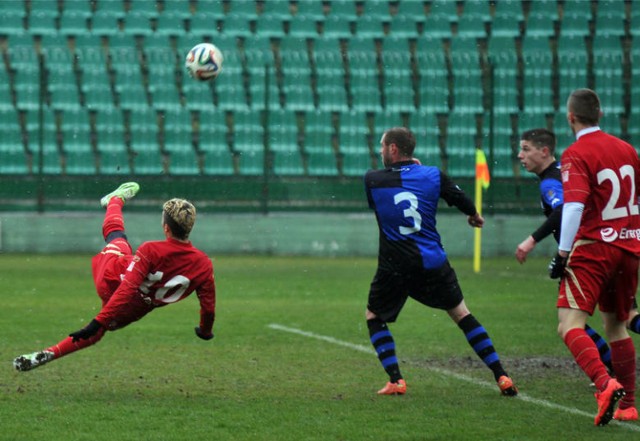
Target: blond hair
[{"x": 179, "y": 215}]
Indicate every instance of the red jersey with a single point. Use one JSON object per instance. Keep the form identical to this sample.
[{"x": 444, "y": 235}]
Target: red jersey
[
  {"x": 164, "y": 272},
  {"x": 603, "y": 173}
]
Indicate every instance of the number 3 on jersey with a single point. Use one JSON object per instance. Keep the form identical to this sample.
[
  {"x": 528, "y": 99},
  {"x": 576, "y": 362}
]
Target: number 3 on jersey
[
  {"x": 610, "y": 211},
  {"x": 411, "y": 212}
]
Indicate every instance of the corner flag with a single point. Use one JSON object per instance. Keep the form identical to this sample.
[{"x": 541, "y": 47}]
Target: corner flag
[{"x": 482, "y": 182}]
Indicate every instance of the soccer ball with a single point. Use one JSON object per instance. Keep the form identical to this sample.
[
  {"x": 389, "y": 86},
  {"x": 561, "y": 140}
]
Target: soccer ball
[{"x": 204, "y": 62}]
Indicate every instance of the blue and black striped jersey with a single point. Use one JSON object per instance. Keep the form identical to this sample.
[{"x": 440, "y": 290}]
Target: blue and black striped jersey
[{"x": 405, "y": 200}]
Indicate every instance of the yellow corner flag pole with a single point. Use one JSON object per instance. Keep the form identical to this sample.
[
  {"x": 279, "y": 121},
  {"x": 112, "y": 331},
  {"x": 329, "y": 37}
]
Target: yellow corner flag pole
[{"x": 482, "y": 182}]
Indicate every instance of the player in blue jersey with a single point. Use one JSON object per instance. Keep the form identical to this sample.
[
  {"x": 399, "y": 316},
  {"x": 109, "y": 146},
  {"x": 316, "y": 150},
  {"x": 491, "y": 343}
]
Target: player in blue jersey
[{"x": 411, "y": 259}]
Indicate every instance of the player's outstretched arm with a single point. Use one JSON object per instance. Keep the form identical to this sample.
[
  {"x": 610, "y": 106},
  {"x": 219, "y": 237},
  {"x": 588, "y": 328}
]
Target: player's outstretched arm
[
  {"x": 476, "y": 220},
  {"x": 525, "y": 248}
]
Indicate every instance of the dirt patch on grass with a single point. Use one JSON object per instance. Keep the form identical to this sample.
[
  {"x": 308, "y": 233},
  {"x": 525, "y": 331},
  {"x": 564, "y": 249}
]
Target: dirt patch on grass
[{"x": 529, "y": 366}]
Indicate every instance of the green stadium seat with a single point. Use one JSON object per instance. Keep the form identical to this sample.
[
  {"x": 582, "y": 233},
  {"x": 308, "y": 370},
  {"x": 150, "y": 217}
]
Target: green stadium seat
[
  {"x": 424, "y": 125},
  {"x": 312, "y": 10},
  {"x": 131, "y": 97},
  {"x": 343, "y": 8},
  {"x": 217, "y": 161},
  {"x": 97, "y": 96},
  {"x": 479, "y": 9},
  {"x": 461, "y": 144},
  {"x": 183, "y": 159},
  {"x": 81, "y": 7},
  {"x": 40, "y": 23},
  {"x": 163, "y": 90},
  {"x": 402, "y": 25},
  {"x": 44, "y": 7},
  {"x": 182, "y": 9},
  {"x": 269, "y": 26},
  {"x": 137, "y": 23},
  {"x": 573, "y": 62},
  {"x": 21, "y": 51},
  {"x": 64, "y": 95},
  {"x": 386, "y": 118},
  {"x": 236, "y": 25},
  {"x": 283, "y": 142},
  {"x": 564, "y": 135},
  {"x": 73, "y": 23},
  {"x": 548, "y": 8},
  {"x": 539, "y": 25},
  {"x": 171, "y": 24},
  {"x": 505, "y": 91},
  {"x": 303, "y": 26},
  {"x": 506, "y": 25},
  {"x": 14, "y": 159},
  {"x": 77, "y": 152},
  {"x": 413, "y": 8},
  {"x": 437, "y": 26},
  {"x": 47, "y": 132},
  {"x": 114, "y": 7},
  {"x": 575, "y": 24},
  {"x": 113, "y": 157},
  {"x": 105, "y": 23},
  {"x": 13, "y": 8},
  {"x": 204, "y": 23},
  {"x": 144, "y": 116},
  {"x": 502, "y": 52},
  {"x": 503, "y": 142},
  {"x": 353, "y": 141},
  {"x": 177, "y": 119},
  {"x": 470, "y": 26},
  {"x": 147, "y": 9},
  {"x": 370, "y": 26},
  {"x": 318, "y": 150},
  {"x": 11, "y": 22},
  {"x": 147, "y": 157},
  {"x": 336, "y": 26},
  {"x": 445, "y": 9},
  {"x": 433, "y": 91},
  {"x": 378, "y": 9},
  {"x": 331, "y": 92}
]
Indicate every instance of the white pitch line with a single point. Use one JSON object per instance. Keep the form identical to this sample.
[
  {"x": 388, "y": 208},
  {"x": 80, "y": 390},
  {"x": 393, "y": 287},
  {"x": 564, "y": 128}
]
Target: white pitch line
[{"x": 461, "y": 377}]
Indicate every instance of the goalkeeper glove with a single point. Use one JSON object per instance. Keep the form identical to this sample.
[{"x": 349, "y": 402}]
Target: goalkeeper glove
[
  {"x": 203, "y": 336},
  {"x": 87, "y": 332},
  {"x": 556, "y": 266}
]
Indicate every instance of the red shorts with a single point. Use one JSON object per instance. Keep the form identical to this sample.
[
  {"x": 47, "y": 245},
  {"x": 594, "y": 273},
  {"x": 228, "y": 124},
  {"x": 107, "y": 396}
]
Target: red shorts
[
  {"x": 598, "y": 273},
  {"x": 108, "y": 266}
]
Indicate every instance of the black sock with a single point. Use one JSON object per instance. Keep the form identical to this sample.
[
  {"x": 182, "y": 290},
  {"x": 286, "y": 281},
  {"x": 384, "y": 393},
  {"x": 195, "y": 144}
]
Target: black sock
[
  {"x": 481, "y": 343},
  {"x": 385, "y": 347}
]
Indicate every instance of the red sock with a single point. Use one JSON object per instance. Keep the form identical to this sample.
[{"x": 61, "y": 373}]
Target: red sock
[
  {"x": 67, "y": 346},
  {"x": 623, "y": 359},
  {"x": 113, "y": 220},
  {"x": 586, "y": 354}
]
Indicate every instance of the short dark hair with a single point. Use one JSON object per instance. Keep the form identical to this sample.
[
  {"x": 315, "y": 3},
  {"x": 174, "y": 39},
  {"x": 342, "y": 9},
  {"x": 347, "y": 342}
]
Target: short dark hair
[
  {"x": 541, "y": 138},
  {"x": 585, "y": 105},
  {"x": 403, "y": 138}
]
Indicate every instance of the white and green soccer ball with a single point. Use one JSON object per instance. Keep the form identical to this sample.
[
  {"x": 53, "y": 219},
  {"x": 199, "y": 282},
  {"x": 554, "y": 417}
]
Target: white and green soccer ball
[{"x": 204, "y": 62}]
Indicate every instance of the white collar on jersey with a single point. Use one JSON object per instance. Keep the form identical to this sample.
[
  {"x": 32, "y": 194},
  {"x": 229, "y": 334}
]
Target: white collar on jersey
[{"x": 587, "y": 131}]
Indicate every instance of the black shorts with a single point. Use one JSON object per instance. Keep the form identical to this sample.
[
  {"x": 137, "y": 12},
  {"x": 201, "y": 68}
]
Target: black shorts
[{"x": 436, "y": 288}]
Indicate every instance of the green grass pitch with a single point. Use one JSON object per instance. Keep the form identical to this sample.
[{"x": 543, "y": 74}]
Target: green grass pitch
[{"x": 311, "y": 377}]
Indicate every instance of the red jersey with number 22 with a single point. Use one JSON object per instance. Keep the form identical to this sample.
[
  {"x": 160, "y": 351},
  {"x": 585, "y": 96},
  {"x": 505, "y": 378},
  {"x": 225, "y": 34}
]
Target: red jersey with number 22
[{"x": 603, "y": 172}]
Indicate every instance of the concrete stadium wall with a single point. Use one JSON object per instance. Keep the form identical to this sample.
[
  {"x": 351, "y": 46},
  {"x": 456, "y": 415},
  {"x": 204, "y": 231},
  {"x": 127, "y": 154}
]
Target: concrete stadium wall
[{"x": 318, "y": 234}]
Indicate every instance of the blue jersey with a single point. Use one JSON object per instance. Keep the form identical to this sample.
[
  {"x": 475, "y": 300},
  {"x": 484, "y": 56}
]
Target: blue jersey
[
  {"x": 551, "y": 201},
  {"x": 405, "y": 199}
]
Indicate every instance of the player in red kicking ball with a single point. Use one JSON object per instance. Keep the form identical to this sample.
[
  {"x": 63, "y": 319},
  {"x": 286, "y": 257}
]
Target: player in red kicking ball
[{"x": 132, "y": 285}]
